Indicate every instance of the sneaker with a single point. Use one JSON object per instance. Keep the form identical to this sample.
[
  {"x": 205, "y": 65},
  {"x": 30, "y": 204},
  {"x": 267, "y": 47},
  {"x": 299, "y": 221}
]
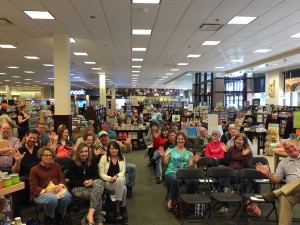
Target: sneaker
[{"x": 224, "y": 210}]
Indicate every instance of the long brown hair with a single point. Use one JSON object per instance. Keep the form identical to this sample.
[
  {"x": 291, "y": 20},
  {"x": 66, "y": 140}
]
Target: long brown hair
[{"x": 76, "y": 155}]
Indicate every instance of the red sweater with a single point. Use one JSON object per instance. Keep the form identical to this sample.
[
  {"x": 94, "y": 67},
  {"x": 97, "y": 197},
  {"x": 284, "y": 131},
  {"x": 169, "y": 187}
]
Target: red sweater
[
  {"x": 214, "y": 150},
  {"x": 40, "y": 176},
  {"x": 159, "y": 141}
]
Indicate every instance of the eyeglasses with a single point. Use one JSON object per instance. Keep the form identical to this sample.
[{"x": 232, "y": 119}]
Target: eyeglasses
[{"x": 48, "y": 156}]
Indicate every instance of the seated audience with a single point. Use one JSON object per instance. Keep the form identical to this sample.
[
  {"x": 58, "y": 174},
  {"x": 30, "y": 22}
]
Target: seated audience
[
  {"x": 85, "y": 183},
  {"x": 214, "y": 147},
  {"x": 226, "y": 135},
  {"x": 65, "y": 147},
  {"x": 48, "y": 188},
  {"x": 288, "y": 194},
  {"x": 233, "y": 133},
  {"x": 179, "y": 157},
  {"x": 202, "y": 140},
  {"x": 88, "y": 130},
  {"x": 112, "y": 170}
]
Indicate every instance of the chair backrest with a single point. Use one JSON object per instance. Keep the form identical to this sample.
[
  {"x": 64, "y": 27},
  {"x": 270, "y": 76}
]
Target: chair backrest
[
  {"x": 262, "y": 160},
  {"x": 221, "y": 172},
  {"x": 221, "y": 161},
  {"x": 252, "y": 174},
  {"x": 190, "y": 174},
  {"x": 63, "y": 162},
  {"x": 205, "y": 162}
]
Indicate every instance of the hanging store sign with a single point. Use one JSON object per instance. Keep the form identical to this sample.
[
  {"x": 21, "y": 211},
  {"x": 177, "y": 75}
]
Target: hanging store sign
[{"x": 77, "y": 92}]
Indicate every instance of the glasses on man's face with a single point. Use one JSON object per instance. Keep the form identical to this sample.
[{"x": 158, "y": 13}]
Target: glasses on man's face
[{"x": 45, "y": 155}]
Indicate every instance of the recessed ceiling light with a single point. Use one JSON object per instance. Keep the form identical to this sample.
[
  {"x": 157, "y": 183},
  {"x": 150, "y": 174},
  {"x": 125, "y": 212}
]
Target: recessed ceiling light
[
  {"x": 27, "y": 79},
  {"x": 50, "y": 78},
  {"x": 219, "y": 67},
  {"x": 182, "y": 64},
  {"x": 262, "y": 50},
  {"x": 17, "y": 82},
  {"x": 296, "y": 35},
  {"x": 161, "y": 79},
  {"x": 13, "y": 67},
  {"x": 16, "y": 76},
  {"x": 141, "y": 32},
  {"x": 7, "y": 46},
  {"x": 139, "y": 49},
  {"x": 175, "y": 69},
  {"x": 6, "y": 80},
  {"x": 28, "y": 72},
  {"x": 137, "y": 60},
  {"x": 237, "y": 60},
  {"x": 164, "y": 77},
  {"x": 241, "y": 20},
  {"x": 96, "y": 68},
  {"x": 188, "y": 74},
  {"x": 37, "y": 81},
  {"x": 77, "y": 77},
  {"x": 136, "y": 66},
  {"x": 39, "y": 15},
  {"x": 135, "y": 71},
  {"x": 169, "y": 74},
  {"x": 31, "y": 57},
  {"x": 146, "y": 1},
  {"x": 72, "y": 40},
  {"x": 193, "y": 56},
  {"x": 211, "y": 42},
  {"x": 71, "y": 74},
  {"x": 2, "y": 73},
  {"x": 90, "y": 62},
  {"x": 80, "y": 53},
  {"x": 135, "y": 75}
]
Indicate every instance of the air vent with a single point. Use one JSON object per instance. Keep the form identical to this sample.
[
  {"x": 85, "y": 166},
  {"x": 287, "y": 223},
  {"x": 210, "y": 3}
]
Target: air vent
[
  {"x": 5, "y": 22},
  {"x": 210, "y": 27}
]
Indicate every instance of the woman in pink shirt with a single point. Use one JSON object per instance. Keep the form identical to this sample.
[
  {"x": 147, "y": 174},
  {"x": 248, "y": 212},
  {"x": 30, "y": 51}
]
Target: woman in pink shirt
[{"x": 214, "y": 147}]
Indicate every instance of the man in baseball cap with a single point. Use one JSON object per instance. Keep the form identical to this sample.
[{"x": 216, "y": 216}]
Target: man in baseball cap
[{"x": 3, "y": 109}]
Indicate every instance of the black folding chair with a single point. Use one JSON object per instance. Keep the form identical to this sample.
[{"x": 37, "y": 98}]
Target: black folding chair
[
  {"x": 248, "y": 198},
  {"x": 196, "y": 198},
  {"x": 222, "y": 197}
]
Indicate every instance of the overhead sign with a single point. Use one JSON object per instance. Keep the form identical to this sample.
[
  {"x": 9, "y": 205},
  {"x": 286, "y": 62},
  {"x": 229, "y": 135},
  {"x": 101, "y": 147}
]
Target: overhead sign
[{"x": 77, "y": 92}]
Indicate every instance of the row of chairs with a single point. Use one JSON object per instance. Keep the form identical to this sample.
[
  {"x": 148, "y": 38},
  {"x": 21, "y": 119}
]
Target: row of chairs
[{"x": 209, "y": 176}]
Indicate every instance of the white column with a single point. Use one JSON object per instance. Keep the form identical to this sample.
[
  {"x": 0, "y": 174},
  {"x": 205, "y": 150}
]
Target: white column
[
  {"x": 102, "y": 90},
  {"x": 62, "y": 74},
  {"x": 113, "y": 91},
  {"x": 8, "y": 92}
]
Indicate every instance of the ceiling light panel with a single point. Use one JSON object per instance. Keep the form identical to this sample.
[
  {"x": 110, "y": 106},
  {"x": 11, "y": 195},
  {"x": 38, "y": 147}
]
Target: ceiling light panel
[
  {"x": 92, "y": 63},
  {"x": 31, "y": 57},
  {"x": 48, "y": 65},
  {"x": 175, "y": 70},
  {"x": 80, "y": 53},
  {"x": 139, "y": 49},
  {"x": 141, "y": 32},
  {"x": 72, "y": 40},
  {"x": 28, "y": 72},
  {"x": 136, "y": 66},
  {"x": 241, "y": 20},
  {"x": 182, "y": 64},
  {"x": 7, "y": 46},
  {"x": 262, "y": 50},
  {"x": 146, "y": 1},
  {"x": 39, "y": 15},
  {"x": 193, "y": 56},
  {"x": 211, "y": 42},
  {"x": 137, "y": 60},
  {"x": 13, "y": 67}
]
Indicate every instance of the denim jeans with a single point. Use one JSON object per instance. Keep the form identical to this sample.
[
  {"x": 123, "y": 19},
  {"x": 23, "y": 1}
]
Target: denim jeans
[
  {"x": 131, "y": 170},
  {"x": 158, "y": 168},
  {"x": 173, "y": 188},
  {"x": 52, "y": 204}
]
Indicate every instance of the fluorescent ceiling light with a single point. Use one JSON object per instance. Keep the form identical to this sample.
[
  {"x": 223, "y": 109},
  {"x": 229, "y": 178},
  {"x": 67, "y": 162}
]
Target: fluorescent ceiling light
[
  {"x": 146, "y": 1},
  {"x": 182, "y": 64},
  {"x": 175, "y": 70},
  {"x": 80, "y": 53},
  {"x": 77, "y": 77},
  {"x": 137, "y": 60},
  {"x": 39, "y": 15},
  {"x": 2, "y": 73},
  {"x": 164, "y": 77},
  {"x": 96, "y": 68},
  {"x": 211, "y": 42},
  {"x": 262, "y": 50},
  {"x": 90, "y": 62},
  {"x": 102, "y": 74},
  {"x": 193, "y": 56},
  {"x": 219, "y": 67},
  {"x": 188, "y": 74},
  {"x": 296, "y": 35},
  {"x": 17, "y": 82},
  {"x": 50, "y": 78},
  {"x": 72, "y": 40},
  {"x": 31, "y": 57},
  {"x": 13, "y": 67},
  {"x": 237, "y": 60},
  {"x": 139, "y": 49},
  {"x": 28, "y": 72},
  {"x": 16, "y": 76},
  {"x": 27, "y": 79},
  {"x": 141, "y": 32},
  {"x": 275, "y": 64},
  {"x": 37, "y": 81},
  {"x": 48, "y": 65},
  {"x": 169, "y": 74},
  {"x": 7, "y": 46},
  {"x": 136, "y": 66},
  {"x": 7, "y": 80},
  {"x": 135, "y": 71},
  {"x": 241, "y": 20},
  {"x": 135, "y": 75},
  {"x": 161, "y": 79}
]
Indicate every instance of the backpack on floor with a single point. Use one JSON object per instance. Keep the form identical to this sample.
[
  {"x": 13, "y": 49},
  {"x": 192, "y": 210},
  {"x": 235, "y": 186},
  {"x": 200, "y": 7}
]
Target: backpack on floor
[{"x": 179, "y": 205}]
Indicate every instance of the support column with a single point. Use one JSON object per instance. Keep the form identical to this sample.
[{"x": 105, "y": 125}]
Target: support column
[
  {"x": 61, "y": 59},
  {"x": 102, "y": 90},
  {"x": 8, "y": 92}
]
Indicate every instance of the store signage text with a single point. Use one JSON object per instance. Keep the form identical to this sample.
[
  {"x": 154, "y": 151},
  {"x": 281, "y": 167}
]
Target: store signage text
[{"x": 77, "y": 92}]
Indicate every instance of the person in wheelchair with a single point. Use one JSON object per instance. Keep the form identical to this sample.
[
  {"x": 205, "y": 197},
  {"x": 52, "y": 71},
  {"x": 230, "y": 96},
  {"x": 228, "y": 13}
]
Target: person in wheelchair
[
  {"x": 85, "y": 183},
  {"x": 112, "y": 168},
  {"x": 48, "y": 187}
]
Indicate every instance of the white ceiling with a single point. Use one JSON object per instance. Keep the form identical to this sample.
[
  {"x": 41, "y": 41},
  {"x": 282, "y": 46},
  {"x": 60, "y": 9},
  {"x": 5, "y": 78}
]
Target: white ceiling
[{"x": 175, "y": 33}]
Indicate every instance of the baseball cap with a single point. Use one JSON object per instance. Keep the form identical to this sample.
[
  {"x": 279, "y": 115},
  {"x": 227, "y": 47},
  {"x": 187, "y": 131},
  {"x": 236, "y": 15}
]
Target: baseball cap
[{"x": 102, "y": 133}]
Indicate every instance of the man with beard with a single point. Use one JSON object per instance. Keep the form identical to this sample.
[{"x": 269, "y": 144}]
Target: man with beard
[
  {"x": 6, "y": 160},
  {"x": 24, "y": 159}
]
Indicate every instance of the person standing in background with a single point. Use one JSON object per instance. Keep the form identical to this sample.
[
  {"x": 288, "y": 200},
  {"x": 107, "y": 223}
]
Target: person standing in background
[{"x": 23, "y": 121}]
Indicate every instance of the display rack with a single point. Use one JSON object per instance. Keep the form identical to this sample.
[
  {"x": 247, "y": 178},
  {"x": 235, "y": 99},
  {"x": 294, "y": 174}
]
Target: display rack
[
  {"x": 138, "y": 137},
  {"x": 96, "y": 113},
  {"x": 34, "y": 118},
  {"x": 45, "y": 117}
]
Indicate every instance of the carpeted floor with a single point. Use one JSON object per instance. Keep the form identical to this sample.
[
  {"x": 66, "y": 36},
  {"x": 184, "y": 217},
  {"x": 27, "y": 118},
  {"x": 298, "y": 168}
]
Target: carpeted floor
[{"x": 148, "y": 205}]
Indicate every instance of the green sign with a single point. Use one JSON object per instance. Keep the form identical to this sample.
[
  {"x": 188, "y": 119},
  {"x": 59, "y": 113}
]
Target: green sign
[{"x": 296, "y": 123}]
